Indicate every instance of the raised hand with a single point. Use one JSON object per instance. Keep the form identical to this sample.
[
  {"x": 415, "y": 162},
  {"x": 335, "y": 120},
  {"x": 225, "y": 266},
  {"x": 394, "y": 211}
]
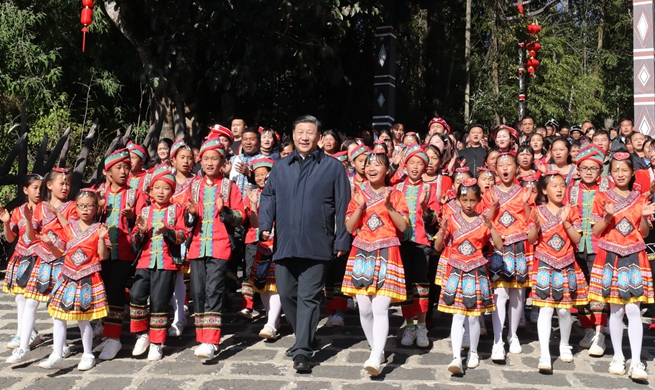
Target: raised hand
[
  {"x": 535, "y": 218},
  {"x": 45, "y": 239},
  {"x": 190, "y": 208},
  {"x": 526, "y": 194},
  {"x": 50, "y": 207},
  {"x": 219, "y": 204},
  {"x": 486, "y": 221},
  {"x": 495, "y": 200},
  {"x": 160, "y": 230},
  {"x": 387, "y": 198},
  {"x": 141, "y": 224},
  {"x": 566, "y": 211},
  {"x": 423, "y": 200},
  {"x": 648, "y": 209},
  {"x": 128, "y": 213},
  {"x": 102, "y": 232},
  {"x": 359, "y": 199},
  {"x": 4, "y": 215},
  {"x": 29, "y": 213},
  {"x": 609, "y": 209},
  {"x": 252, "y": 195},
  {"x": 242, "y": 168}
]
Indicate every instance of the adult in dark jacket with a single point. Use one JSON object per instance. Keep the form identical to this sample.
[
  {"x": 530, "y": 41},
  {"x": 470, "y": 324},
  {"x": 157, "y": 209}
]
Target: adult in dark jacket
[
  {"x": 474, "y": 155},
  {"x": 305, "y": 198}
]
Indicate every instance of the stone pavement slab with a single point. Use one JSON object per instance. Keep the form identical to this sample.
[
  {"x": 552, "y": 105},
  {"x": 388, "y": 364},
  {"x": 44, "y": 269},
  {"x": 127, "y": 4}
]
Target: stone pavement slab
[{"x": 246, "y": 362}]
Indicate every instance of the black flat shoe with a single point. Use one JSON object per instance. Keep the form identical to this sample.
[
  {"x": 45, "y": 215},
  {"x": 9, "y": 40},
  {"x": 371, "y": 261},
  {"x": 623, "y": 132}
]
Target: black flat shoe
[{"x": 301, "y": 364}]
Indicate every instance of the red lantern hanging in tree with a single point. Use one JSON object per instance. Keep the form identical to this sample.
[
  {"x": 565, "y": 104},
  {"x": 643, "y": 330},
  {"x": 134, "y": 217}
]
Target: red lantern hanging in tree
[{"x": 86, "y": 18}]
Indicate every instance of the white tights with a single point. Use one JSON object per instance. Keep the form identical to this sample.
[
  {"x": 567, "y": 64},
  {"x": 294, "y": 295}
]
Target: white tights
[
  {"x": 59, "y": 336},
  {"x": 273, "y": 307},
  {"x": 544, "y": 325},
  {"x": 457, "y": 333},
  {"x": 26, "y": 322},
  {"x": 179, "y": 296},
  {"x": 635, "y": 330},
  {"x": 374, "y": 316},
  {"x": 515, "y": 298},
  {"x": 20, "y": 305}
]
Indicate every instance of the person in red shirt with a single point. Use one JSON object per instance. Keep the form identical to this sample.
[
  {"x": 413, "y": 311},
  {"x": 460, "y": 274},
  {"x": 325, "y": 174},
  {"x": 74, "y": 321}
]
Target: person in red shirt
[
  {"x": 183, "y": 162},
  {"x": 262, "y": 272},
  {"x": 121, "y": 205},
  {"x": 557, "y": 280},
  {"x": 581, "y": 194},
  {"x": 160, "y": 232},
  {"x": 416, "y": 246},
  {"x": 336, "y": 304},
  {"x": 37, "y": 275},
  {"x": 215, "y": 204},
  {"x": 621, "y": 275},
  {"x": 509, "y": 209},
  {"x": 16, "y": 228},
  {"x": 138, "y": 159},
  {"x": 80, "y": 292},
  {"x": 466, "y": 291},
  {"x": 374, "y": 273}
]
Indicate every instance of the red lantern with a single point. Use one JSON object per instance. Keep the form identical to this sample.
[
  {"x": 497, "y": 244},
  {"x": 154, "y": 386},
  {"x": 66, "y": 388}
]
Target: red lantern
[
  {"x": 532, "y": 53},
  {"x": 530, "y": 70},
  {"x": 534, "y": 28},
  {"x": 86, "y": 18},
  {"x": 537, "y": 46}
]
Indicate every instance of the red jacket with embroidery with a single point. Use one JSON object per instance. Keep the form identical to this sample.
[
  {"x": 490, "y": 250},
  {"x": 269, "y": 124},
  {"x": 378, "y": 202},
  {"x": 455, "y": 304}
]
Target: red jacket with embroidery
[
  {"x": 46, "y": 222},
  {"x": 161, "y": 251},
  {"x": 412, "y": 192},
  {"x": 210, "y": 236},
  {"x": 119, "y": 226},
  {"x": 17, "y": 223}
]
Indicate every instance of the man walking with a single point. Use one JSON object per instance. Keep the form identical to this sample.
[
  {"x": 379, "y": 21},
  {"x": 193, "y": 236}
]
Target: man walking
[{"x": 305, "y": 198}]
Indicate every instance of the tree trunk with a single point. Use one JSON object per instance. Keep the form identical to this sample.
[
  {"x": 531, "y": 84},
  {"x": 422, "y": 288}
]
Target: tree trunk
[{"x": 467, "y": 58}]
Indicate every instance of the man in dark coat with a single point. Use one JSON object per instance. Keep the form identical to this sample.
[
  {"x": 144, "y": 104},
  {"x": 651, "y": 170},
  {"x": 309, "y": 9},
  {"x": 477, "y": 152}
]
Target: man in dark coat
[{"x": 305, "y": 201}]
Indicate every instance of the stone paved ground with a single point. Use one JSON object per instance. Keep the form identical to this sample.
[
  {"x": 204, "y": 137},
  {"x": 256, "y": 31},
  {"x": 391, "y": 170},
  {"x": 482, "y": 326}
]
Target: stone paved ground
[{"x": 246, "y": 362}]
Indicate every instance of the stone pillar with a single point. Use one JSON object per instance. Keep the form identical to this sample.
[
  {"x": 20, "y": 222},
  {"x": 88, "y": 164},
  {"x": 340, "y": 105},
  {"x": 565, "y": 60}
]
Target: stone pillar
[
  {"x": 644, "y": 67},
  {"x": 384, "y": 85}
]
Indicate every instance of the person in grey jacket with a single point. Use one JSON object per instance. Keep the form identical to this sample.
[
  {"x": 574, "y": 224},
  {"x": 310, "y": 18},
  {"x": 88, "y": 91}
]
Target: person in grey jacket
[{"x": 305, "y": 198}]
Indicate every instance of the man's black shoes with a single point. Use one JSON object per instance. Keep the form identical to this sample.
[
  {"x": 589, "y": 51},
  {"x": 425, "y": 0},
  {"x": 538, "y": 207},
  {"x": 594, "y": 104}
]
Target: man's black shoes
[{"x": 301, "y": 364}]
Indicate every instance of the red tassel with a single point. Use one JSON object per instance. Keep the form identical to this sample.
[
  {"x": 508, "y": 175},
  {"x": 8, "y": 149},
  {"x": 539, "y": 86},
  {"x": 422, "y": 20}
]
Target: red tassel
[{"x": 84, "y": 31}]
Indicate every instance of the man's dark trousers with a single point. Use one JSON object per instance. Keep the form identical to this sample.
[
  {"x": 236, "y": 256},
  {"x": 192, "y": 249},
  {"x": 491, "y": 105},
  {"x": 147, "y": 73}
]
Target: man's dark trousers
[{"x": 300, "y": 285}]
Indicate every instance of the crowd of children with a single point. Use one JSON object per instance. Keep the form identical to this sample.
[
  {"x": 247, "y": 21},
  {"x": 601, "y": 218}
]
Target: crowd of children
[{"x": 430, "y": 229}]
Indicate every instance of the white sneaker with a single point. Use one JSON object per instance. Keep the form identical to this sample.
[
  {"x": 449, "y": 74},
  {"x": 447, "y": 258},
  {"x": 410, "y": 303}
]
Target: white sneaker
[
  {"x": 545, "y": 365},
  {"x": 334, "y": 320},
  {"x": 597, "y": 347},
  {"x": 638, "y": 372},
  {"x": 87, "y": 362},
  {"x": 54, "y": 362},
  {"x": 373, "y": 366},
  {"x": 409, "y": 336},
  {"x": 352, "y": 305},
  {"x": 483, "y": 327},
  {"x": 14, "y": 342},
  {"x": 515, "y": 345},
  {"x": 466, "y": 341},
  {"x": 98, "y": 329},
  {"x": 617, "y": 366},
  {"x": 534, "y": 315},
  {"x": 66, "y": 351},
  {"x": 472, "y": 360},
  {"x": 522, "y": 321},
  {"x": 155, "y": 353},
  {"x": 498, "y": 352},
  {"x": 207, "y": 351},
  {"x": 35, "y": 339},
  {"x": 176, "y": 329},
  {"x": 422, "y": 339},
  {"x": 100, "y": 346},
  {"x": 141, "y": 345},
  {"x": 110, "y": 350},
  {"x": 246, "y": 314},
  {"x": 268, "y": 332},
  {"x": 455, "y": 366},
  {"x": 587, "y": 339},
  {"x": 19, "y": 356},
  {"x": 565, "y": 353}
]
